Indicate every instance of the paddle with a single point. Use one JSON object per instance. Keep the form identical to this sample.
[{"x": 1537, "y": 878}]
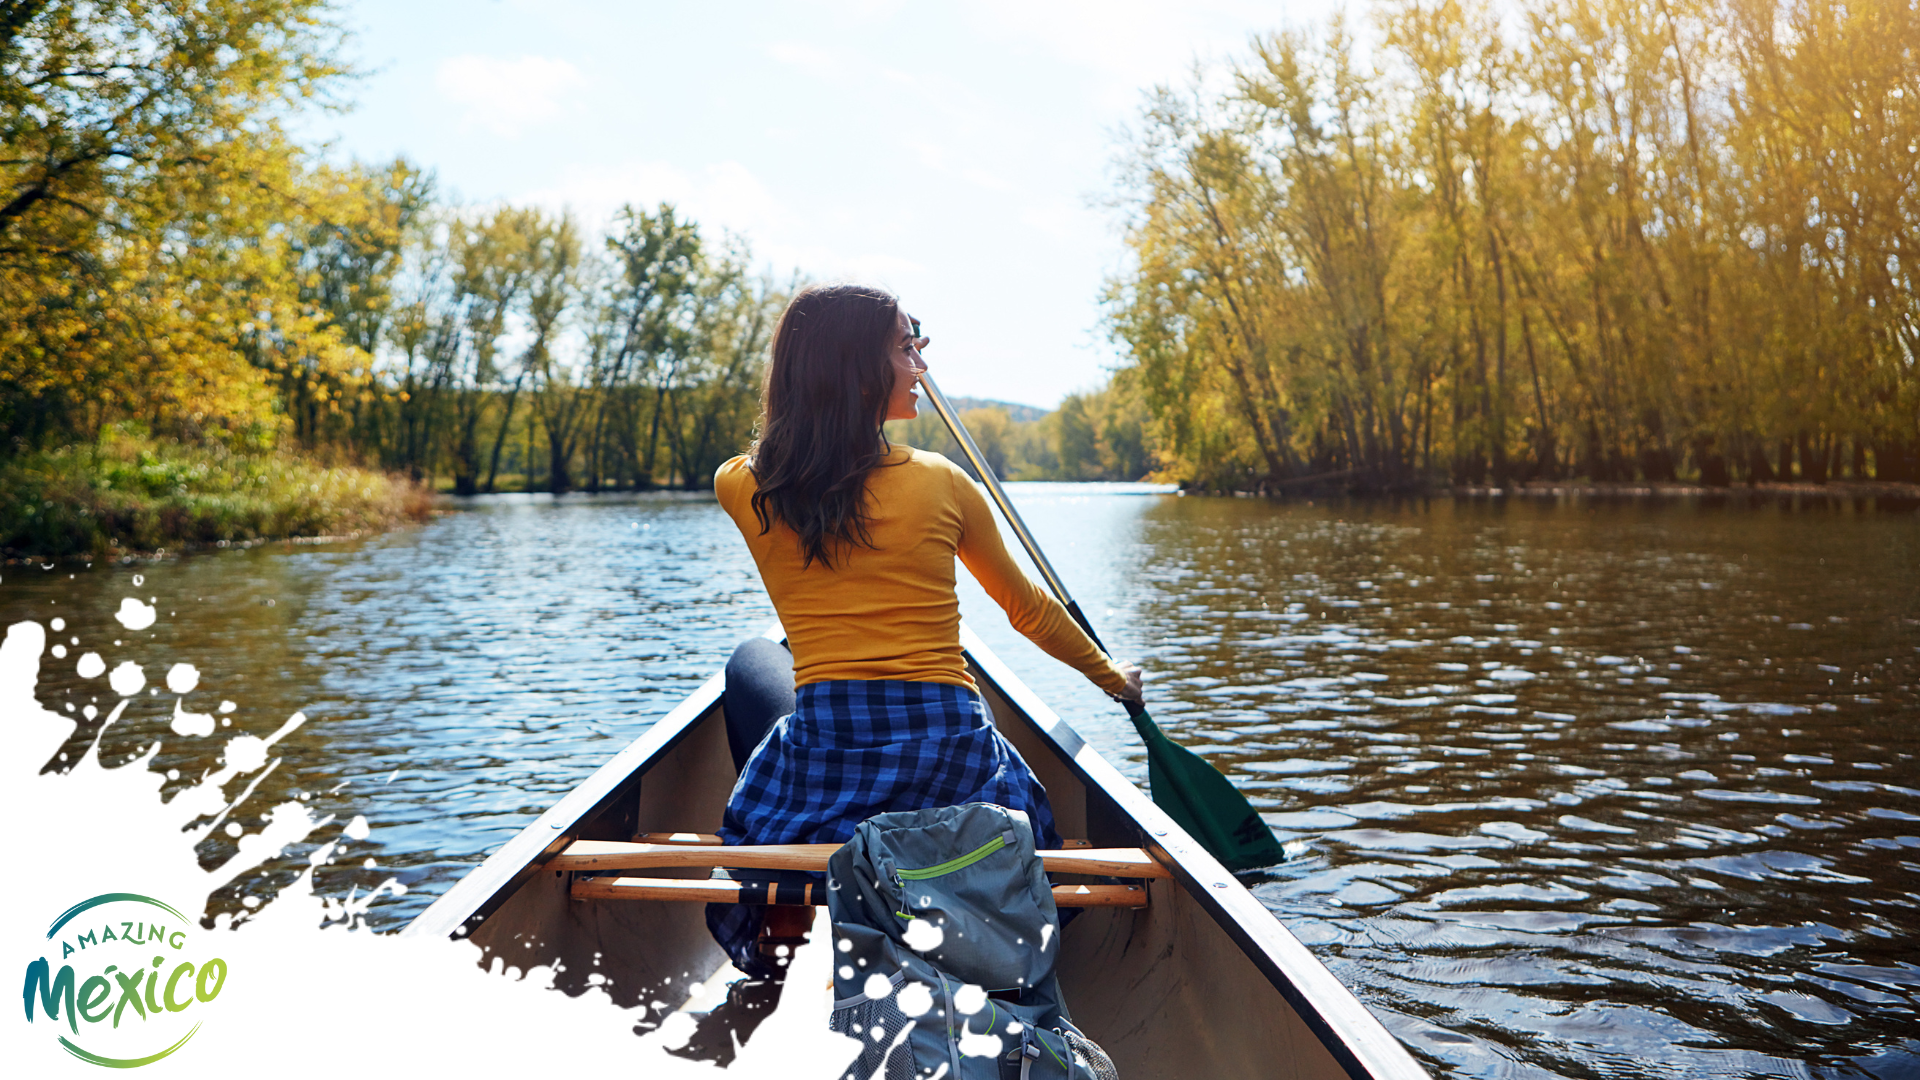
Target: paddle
[{"x": 1191, "y": 791}]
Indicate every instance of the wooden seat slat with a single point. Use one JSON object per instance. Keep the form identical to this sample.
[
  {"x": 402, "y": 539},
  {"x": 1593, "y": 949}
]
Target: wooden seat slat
[
  {"x": 729, "y": 892},
  {"x": 711, "y": 839},
  {"x": 602, "y": 855}
]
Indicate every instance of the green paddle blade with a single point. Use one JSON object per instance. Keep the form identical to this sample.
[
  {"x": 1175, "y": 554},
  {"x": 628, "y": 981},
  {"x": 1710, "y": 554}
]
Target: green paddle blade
[{"x": 1205, "y": 803}]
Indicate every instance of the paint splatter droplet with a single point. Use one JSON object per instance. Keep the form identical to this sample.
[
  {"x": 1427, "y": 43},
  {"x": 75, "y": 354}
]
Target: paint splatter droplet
[
  {"x": 182, "y": 678},
  {"x": 196, "y": 724},
  {"x": 922, "y": 935},
  {"x": 90, "y": 666},
  {"x": 915, "y": 999},
  {"x": 970, "y": 999},
  {"x": 246, "y": 753},
  {"x": 134, "y": 615},
  {"x": 126, "y": 680}
]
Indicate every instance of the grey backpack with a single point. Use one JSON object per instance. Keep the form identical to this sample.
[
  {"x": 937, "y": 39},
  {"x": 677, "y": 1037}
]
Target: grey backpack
[{"x": 933, "y": 911}]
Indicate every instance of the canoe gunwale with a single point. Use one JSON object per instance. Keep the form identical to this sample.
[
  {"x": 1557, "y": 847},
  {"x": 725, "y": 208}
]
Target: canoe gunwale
[
  {"x": 1355, "y": 1037},
  {"x": 486, "y": 887}
]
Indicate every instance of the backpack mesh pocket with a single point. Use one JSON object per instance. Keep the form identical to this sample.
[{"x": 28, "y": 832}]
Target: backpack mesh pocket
[
  {"x": 1087, "y": 1055},
  {"x": 877, "y": 1024}
]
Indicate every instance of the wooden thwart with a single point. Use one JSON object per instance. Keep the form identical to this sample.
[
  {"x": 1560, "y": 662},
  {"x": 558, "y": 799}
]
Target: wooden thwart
[
  {"x": 711, "y": 839},
  {"x": 737, "y": 892},
  {"x": 602, "y": 855}
]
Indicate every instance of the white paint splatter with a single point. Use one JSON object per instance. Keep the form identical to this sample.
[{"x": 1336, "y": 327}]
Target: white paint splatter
[
  {"x": 58, "y": 624},
  {"x": 878, "y": 987},
  {"x": 970, "y": 999},
  {"x": 227, "y": 706},
  {"x": 59, "y": 652},
  {"x": 428, "y": 991},
  {"x": 127, "y": 679},
  {"x": 196, "y": 724},
  {"x": 134, "y": 615},
  {"x": 182, "y": 678},
  {"x": 923, "y": 936},
  {"x": 245, "y": 753},
  {"x": 357, "y": 829},
  {"x": 287, "y": 728},
  {"x": 978, "y": 1044},
  {"x": 915, "y": 999},
  {"x": 90, "y": 666}
]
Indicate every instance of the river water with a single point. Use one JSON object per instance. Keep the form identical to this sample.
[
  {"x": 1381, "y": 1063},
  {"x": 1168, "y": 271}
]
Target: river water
[{"x": 1576, "y": 787}]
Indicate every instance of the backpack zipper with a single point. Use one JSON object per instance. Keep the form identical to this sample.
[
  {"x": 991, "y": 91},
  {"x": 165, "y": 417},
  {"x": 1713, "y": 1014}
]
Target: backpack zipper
[{"x": 959, "y": 862}]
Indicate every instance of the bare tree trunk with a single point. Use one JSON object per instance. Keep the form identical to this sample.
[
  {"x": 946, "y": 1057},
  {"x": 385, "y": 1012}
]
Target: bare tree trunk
[{"x": 506, "y": 422}]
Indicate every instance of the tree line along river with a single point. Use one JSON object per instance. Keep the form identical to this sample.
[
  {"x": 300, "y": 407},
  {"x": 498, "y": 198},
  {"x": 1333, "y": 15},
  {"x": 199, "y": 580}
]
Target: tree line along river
[{"x": 1575, "y": 787}]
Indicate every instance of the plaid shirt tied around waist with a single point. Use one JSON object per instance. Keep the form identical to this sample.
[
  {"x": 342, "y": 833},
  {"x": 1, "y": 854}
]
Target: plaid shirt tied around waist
[{"x": 855, "y": 748}]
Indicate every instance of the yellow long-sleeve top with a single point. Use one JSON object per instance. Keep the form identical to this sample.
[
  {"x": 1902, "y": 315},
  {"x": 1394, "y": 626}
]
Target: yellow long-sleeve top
[{"x": 890, "y": 611}]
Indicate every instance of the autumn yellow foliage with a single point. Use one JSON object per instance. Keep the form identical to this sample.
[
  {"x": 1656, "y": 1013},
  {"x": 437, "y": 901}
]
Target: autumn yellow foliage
[{"x": 1612, "y": 239}]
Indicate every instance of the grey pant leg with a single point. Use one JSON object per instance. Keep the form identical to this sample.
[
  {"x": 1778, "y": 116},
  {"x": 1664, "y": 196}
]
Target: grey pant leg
[{"x": 759, "y": 691}]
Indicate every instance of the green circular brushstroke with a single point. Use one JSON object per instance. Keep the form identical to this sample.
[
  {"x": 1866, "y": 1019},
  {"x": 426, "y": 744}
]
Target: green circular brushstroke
[
  {"x": 124, "y": 1063},
  {"x": 108, "y": 898}
]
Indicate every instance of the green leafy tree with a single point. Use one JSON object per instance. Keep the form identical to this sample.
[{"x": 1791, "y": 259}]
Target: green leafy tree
[{"x": 143, "y": 179}]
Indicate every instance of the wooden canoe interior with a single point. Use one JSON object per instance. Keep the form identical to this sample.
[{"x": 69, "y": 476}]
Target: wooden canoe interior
[{"x": 1163, "y": 988}]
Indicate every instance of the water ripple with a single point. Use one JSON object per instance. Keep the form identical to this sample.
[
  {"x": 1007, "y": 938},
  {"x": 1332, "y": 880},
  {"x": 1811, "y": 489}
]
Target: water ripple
[{"x": 1576, "y": 789}]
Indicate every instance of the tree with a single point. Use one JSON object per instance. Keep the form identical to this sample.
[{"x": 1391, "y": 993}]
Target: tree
[
  {"x": 1633, "y": 240},
  {"x": 143, "y": 173}
]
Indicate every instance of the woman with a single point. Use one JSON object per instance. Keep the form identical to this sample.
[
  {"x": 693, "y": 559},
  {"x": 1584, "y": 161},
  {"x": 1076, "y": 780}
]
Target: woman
[{"x": 855, "y": 540}]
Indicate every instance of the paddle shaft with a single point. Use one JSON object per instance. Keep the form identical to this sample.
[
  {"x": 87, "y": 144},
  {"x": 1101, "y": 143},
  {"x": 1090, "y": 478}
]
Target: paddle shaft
[
  {"x": 1193, "y": 792},
  {"x": 999, "y": 495}
]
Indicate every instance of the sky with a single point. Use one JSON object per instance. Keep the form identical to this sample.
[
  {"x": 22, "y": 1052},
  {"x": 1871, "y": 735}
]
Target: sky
[{"x": 962, "y": 155}]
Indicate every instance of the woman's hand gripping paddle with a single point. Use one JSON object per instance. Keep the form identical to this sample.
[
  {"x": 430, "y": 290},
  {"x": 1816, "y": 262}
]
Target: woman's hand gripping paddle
[{"x": 1191, "y": 791}]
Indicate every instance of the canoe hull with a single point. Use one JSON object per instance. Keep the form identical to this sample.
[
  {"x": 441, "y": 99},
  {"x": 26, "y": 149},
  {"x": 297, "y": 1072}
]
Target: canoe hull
[{"x": 1201, "y": 982}]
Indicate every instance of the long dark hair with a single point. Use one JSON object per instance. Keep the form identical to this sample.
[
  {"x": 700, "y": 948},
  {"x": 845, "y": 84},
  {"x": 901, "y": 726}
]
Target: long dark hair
[{"x": 820, "y": 414}]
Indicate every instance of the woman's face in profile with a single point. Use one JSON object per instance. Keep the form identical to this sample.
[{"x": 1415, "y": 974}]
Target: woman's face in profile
[{"x": 904, "y": 402}]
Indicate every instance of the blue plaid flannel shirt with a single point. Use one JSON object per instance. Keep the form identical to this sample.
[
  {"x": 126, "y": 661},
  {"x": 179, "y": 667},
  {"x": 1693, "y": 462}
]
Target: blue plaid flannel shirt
[{"x": 852, "y": 749}]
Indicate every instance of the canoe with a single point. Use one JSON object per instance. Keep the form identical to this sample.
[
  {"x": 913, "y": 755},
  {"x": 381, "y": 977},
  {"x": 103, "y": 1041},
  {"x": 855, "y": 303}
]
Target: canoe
[{"x": 1200, "y": 981}]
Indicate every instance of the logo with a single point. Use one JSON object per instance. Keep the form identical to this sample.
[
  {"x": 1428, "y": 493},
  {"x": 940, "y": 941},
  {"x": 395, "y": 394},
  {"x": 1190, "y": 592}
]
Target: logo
[{"x": 125, "y": 989}]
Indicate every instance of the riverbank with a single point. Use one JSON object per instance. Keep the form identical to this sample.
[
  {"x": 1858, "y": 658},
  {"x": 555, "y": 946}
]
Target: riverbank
[
  {"x": 128, "y": 497},
  {"x": 1341, "y": 483},
  {"x": 1832, "y": 489}
]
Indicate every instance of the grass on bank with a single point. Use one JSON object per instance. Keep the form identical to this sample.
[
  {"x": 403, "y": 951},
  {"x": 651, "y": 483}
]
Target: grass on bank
[{"x": 132, "y": 494}]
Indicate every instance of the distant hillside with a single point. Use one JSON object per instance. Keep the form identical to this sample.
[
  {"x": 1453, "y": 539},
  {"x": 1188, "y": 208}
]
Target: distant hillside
[
  {"x": 1019, "y": 414},
  {"x": 1092, "y": 436}
]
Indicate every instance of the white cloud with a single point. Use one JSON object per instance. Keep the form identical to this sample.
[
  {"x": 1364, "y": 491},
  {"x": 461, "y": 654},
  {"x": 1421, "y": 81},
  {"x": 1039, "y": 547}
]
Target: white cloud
[
  {"x": 982, "y": 178},
  {"x": 1134, "y": 44},
  {"x": 1054, "y": 217},
  {"x": 723, "y": 195},
  {"x": 827, "y": 263},
  {"x": 507, "y": 96},
  {"x": 931, "y": 155},
  {"x": 808, "y": 58},
  {"x": 727, "y": 195}
]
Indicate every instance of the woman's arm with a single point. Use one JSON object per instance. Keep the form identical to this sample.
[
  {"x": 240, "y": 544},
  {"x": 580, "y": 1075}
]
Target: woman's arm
[{"x": 1029, "y": 608}]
